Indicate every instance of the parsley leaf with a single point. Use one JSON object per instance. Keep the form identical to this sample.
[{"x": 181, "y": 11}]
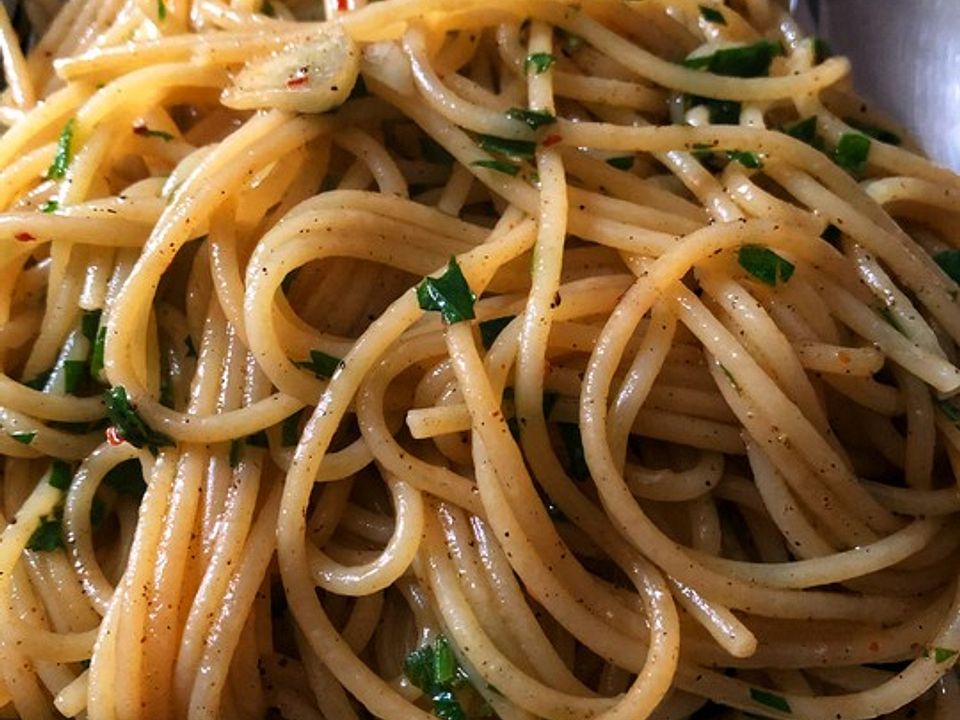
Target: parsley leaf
[
  {"x": 764, "y": 264},
  {"x": 522, "y": 149},
  {"x": 89, "y": 323},
  {"x": 712, "y": 15},
  {"x": 805, "y": 131},
  {"x": 943, "y": 654},
  {"x": 538, "y": 63},
  {"x": 129, "y": 424},
  {"x": 322, "y": 364},
  {"x": 24, "y": 437},
  {"x": 506, "y": 168},
  {"x": 746, "y": 61},
  {"x": 60, "y": 475},
  {"x": 434, "y": 669},
  {"x": 64, "y": 153},
  {"x": 50, "y": 206},
  {"x": 535, "y": 119},
  {"x": 144, "y": 131},
  {"x": 851, "y": 152},
  {"x": 821, "y": 50},
  {"x": 746, "y": 158},
  {"x": 622, "y": 162},
  {"x": 949, "y": 262},
  {"x": 161, "y": 10},
  {"x": 771, "y": 700},
  {"x": 449, "y": 294},
  {"x": 874, "y": 131},
  {"x": 96, "y": 357},
  {"x": 48, "y": 536},
  {"x": 73, "y": 373}
]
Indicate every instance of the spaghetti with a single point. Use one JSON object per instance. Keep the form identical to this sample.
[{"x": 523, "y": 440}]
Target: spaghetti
[{"x": 519, "y": 359}]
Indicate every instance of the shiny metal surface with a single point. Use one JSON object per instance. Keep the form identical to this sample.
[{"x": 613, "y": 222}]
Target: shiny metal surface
[{"x": 906, "y": 60}]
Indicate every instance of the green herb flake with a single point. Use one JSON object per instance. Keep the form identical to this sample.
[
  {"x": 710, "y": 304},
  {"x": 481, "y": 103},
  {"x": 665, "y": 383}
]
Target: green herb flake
[
  {"x": 721, "y": 112},
  {"x": 40, "y": 381},
  {"x": 522, "y": 149},
  {"x": 821, "y": 50},
  {"x": 943, "y": 654},
  {"x": 48, "y": 536},
  {"x": 622, "y": 162},
  {"x": 874, "y": 131},
  {"x": 771, "y": 700},
  {"x": 746, "y": 61},
  {"x": 161, "y": 10},
  {"x": 74, "y": 372},
  {"x": 538, "y": 63},
  {"x": 746, "y": 158},
  {"x": 96, "y": 357},
  {"x": 806, "y": 131},
  {"x": 573, "y": 444},
  {"x": 322, "y": 364},
  {"x": 89, "y": 324},
  {"x": 764, "y": 264},
  {"x": 491, "y": 329},
  {"x": 449, "y": 294},
  {"x": 712, "y": 15},
  {"x": 434, "y": 669},
  {"x": 535, "y": 119},
  {"x": 129, "y": 424},
  {"x": 24, "y": 437},
  {"x": 236, "y": 447},
  {"x": 64, "y": 152},
  {"x": 126, "y": 478},
  {"x": 60, "y": 475},
  {"x": 50, "y": 206},
  {"x": 144, "y": 131},
  {"x": 290, "y": 430},
  {"x": 949, "y": 262},
  {"x": 498, "y": 165},
  {"x": 851, "y": 152}
]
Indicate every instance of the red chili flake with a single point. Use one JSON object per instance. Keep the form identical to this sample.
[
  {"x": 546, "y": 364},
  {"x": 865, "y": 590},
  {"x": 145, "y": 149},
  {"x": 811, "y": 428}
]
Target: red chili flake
[
  {"x": 113, "y": 436},
  {"x": 141, "y": 129},
  {"x": 343, "y": 5},
  {"x": 24, "y": 236},
  {"x": 552, "y": 140},
  {"x": 302, "y": 76}
]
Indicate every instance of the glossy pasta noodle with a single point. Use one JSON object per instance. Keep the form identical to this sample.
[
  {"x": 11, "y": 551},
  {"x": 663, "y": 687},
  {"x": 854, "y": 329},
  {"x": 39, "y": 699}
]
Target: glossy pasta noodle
[{"x": 490, "y": 358}]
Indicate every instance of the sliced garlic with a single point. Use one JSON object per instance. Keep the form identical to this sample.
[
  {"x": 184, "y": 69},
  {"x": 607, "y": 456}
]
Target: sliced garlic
[{"x": 310, "y": 75}]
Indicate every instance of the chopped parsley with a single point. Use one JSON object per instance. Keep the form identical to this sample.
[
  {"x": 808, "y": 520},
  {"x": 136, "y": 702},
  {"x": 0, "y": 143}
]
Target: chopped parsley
[
  {"x": 50, "y": 206},
  {"x": 522, "y": 149},
  {"x": 96, "y": 357},
  {"x": 821, "y": 50},
  {"x": 721, "y": 112},
  {"x": 712, "y": 15},
  {"x": 490, "y": 329},
  {"x": 874, "y": 131},
  {"x": 89, "y": 323},
  {"x": 129, "y": 425},
  {"x": 161, "y": 10},
  {"x": 943, "y": 654},
  {"x": 40, "y": 381},
  {"x": 851, "y": 152},
  {"x": 764, "y": 264},
  {"x": 64, "y": 152},
  {"x": 144, "y": 131},
  {"x": 507, "y": 168},
  {"x": 322, "y": 364},
  {"x": 535, "y": 119},
  {"x": 746, "y": 158},
  {"x": 746, "y": 61},
  {"x": 806, "y": 131},
  {"x": 24, "y": 437},
  {"x": 449, "y": 294},
  {"x": 622, "y": 162},
  {"x": 537, "y": 63},
  {"x": 74, "y": 371},
  {"x": 258, "y": 439},
  {"x": 434, "y": 669},
  {"x": 60, "y": 475},
  {"x": 771, "y": 700},
  {"x": 48, "y": 536}
]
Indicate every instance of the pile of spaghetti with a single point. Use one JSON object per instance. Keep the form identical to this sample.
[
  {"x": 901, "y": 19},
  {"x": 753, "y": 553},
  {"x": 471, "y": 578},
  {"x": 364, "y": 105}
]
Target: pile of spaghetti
[{"x": 490, "y": 358}]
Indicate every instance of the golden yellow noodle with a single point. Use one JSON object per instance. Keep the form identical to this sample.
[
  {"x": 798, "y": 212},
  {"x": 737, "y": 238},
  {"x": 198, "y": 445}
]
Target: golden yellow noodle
[{"x": 490, "y": 358}]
